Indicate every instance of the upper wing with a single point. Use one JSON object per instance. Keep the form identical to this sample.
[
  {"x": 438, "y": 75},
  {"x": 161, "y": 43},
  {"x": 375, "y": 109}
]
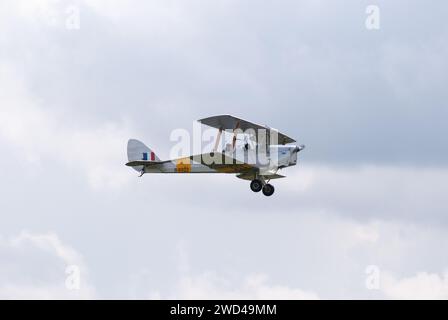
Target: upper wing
[{"x": 228, "y": 122}]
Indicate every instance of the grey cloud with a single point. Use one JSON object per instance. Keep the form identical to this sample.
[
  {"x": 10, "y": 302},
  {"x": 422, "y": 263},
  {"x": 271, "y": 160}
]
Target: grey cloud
[
  {"x": 369, "y": 105},
  {"x": 313, "y": 70}
]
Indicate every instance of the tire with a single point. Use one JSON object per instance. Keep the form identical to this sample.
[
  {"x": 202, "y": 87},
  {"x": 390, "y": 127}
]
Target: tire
[
  {"x": 256, "y": 185},
  {"x": 268, "y": 190}
]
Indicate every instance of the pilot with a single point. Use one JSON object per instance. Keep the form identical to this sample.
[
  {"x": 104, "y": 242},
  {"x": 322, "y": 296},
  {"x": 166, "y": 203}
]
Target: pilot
[{"x": 228, "y": 148}]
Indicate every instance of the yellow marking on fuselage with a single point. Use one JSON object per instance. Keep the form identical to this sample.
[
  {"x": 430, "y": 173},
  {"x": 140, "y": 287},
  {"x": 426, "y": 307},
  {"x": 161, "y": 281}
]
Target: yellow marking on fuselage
[{"x": 183, "y": 165}]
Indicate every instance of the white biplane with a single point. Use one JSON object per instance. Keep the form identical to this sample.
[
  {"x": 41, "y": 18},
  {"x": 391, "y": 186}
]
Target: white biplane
[{"x": 262, "y": 154}]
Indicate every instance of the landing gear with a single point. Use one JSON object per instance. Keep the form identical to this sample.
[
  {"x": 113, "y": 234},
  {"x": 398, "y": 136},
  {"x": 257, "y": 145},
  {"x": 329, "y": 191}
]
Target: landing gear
[
  {"x": 268, "y": 190},
  {"x": 256, "y": 185}
]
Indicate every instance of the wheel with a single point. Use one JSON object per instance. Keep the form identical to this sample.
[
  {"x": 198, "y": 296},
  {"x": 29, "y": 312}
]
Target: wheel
[
  {"x": 268, "y": 190},
  {"x": 256, "y": 185}
]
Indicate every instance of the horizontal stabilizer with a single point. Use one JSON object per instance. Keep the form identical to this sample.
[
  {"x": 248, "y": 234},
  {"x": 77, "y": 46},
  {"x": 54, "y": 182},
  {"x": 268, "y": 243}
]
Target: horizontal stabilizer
[{"x": 142, "y": 163}]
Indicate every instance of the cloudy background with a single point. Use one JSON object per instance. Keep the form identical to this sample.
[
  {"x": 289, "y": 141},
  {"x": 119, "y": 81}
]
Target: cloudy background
[{"x": 364, "y": 215}]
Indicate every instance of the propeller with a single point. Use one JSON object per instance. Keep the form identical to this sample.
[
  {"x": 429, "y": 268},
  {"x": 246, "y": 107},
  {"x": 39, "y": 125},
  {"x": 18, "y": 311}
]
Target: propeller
[{"x": 298, "y": 148}]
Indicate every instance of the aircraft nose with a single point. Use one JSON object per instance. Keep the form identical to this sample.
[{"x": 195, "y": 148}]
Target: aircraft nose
[{"x": 298, "y": 148}]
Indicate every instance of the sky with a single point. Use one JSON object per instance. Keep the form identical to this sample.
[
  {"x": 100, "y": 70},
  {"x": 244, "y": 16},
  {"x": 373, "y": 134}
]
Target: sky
[{"x": 362, "y": 216}]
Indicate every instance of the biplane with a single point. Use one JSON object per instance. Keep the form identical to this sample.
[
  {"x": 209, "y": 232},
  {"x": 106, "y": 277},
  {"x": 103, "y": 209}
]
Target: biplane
[{"x": 263, "y": 152}]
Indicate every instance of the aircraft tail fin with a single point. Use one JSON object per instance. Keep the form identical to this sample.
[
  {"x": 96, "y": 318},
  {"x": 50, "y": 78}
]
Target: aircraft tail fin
[{"x": 139, "y": 152}]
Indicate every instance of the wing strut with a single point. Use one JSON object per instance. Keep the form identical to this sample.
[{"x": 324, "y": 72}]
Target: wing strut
[
  {"x": 218, "y": 138},
  {"x": 235, "y": 134}
]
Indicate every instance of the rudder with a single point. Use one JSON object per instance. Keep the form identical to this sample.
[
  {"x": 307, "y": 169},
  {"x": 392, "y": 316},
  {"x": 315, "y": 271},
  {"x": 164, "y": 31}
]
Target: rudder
[{"x": 138, "y": 151}]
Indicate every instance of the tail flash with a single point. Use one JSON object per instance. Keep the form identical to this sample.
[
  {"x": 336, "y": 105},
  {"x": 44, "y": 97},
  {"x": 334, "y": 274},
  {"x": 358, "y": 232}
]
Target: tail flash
[{"x": 138, "y": 151}]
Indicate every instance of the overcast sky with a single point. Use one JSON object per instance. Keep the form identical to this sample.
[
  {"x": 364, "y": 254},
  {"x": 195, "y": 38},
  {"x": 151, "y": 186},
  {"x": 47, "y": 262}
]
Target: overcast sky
[{"x": 368, "y": 198}]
